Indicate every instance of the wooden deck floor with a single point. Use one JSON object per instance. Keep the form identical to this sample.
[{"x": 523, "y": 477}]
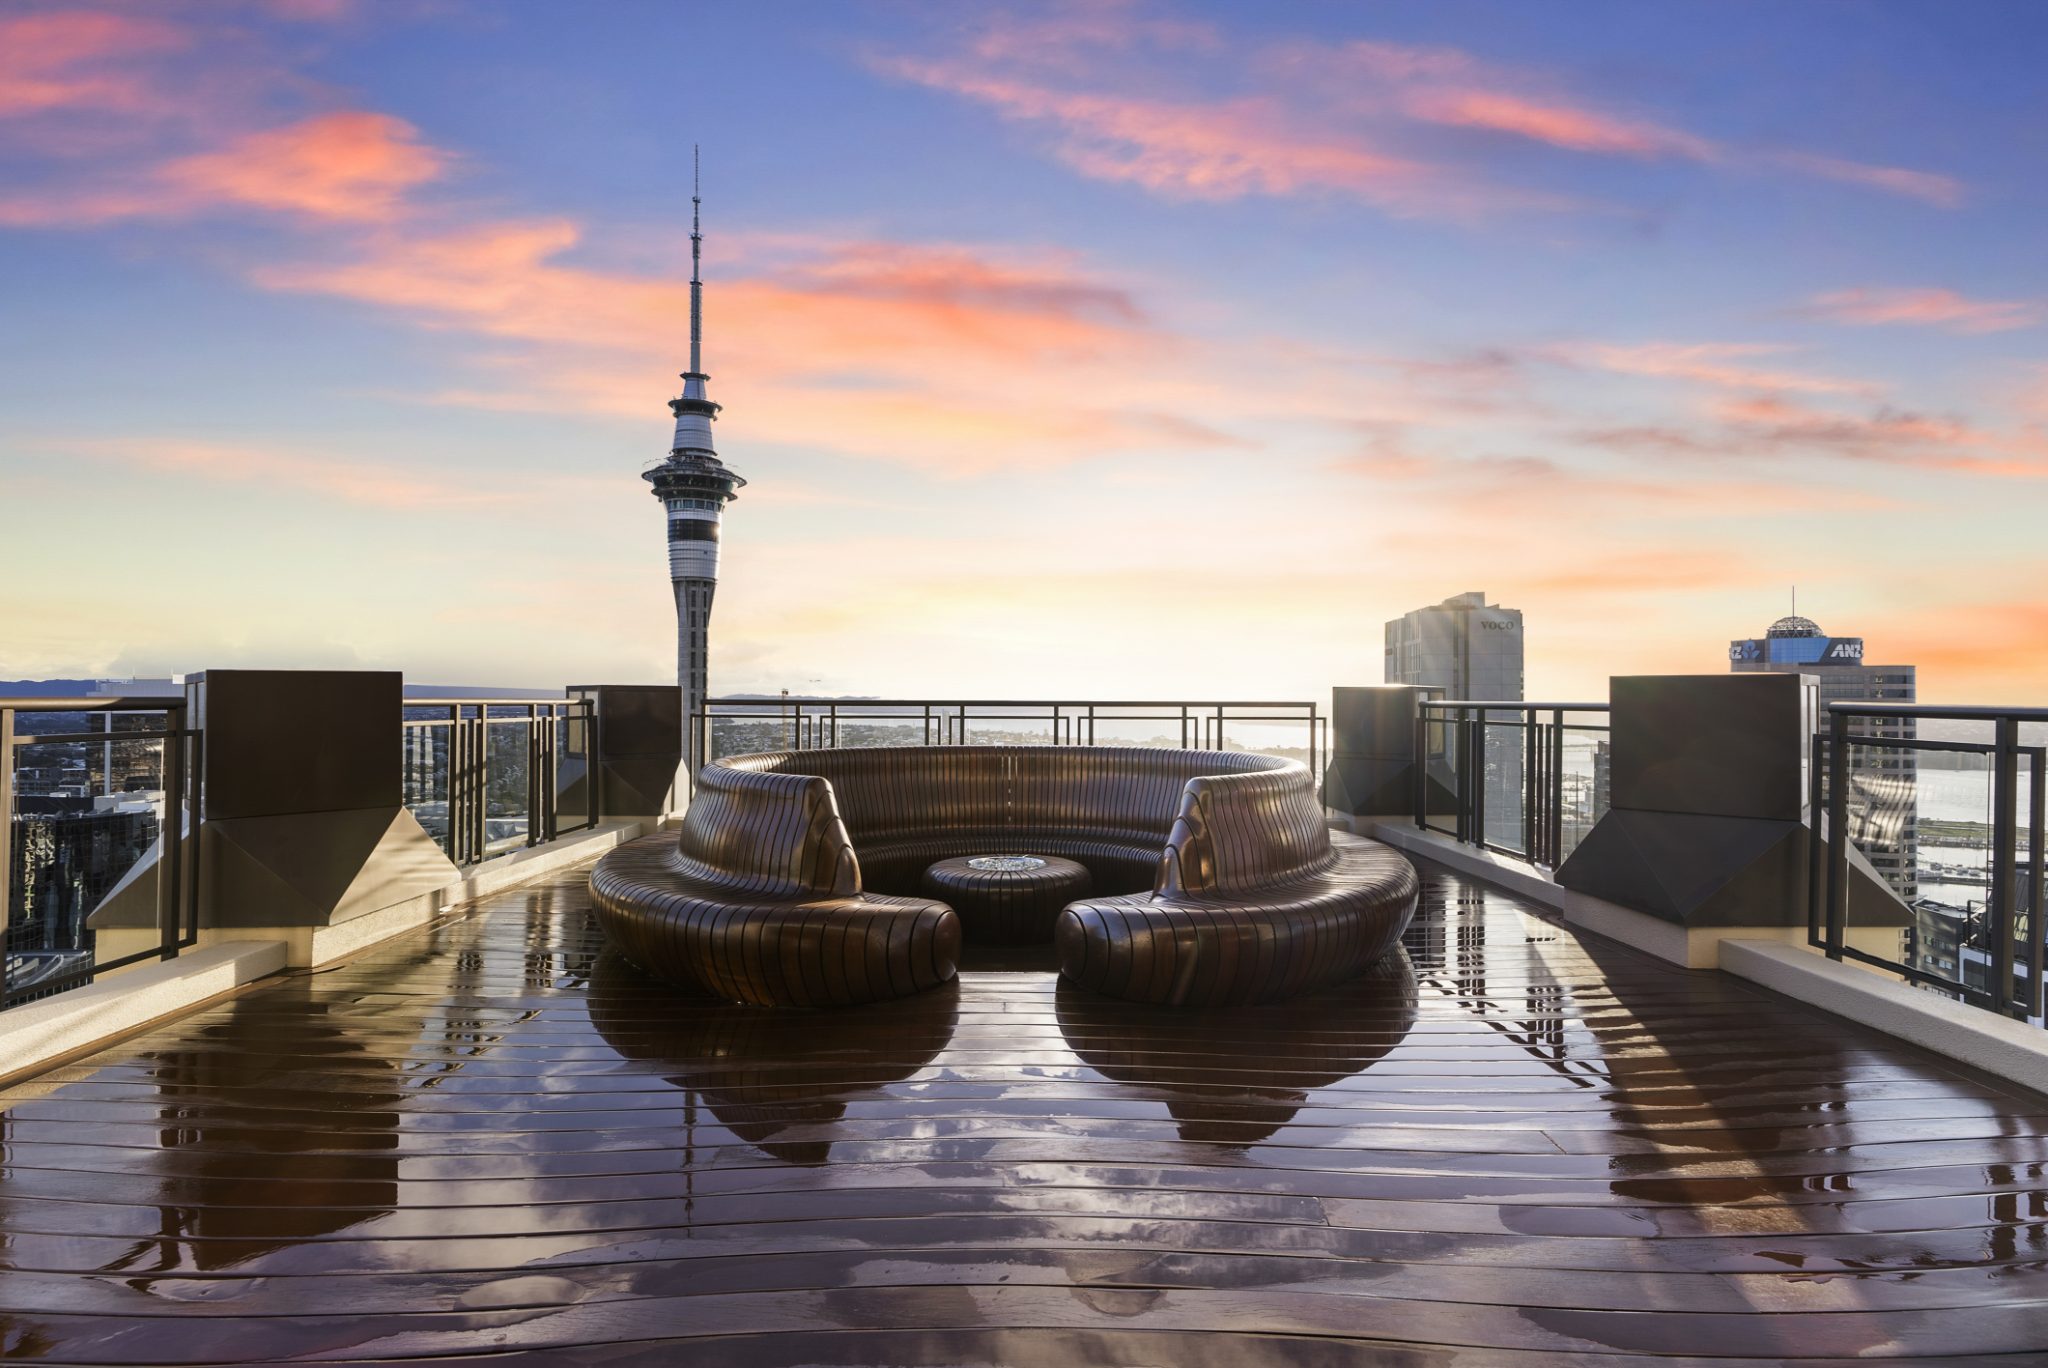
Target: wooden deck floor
[{"x": 1510, "y": 1148}]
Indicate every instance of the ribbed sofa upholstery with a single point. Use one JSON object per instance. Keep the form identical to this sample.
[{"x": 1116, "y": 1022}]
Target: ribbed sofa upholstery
[
  {"x": 792, "y": 880},
  {"x": 759, "y": 899}
]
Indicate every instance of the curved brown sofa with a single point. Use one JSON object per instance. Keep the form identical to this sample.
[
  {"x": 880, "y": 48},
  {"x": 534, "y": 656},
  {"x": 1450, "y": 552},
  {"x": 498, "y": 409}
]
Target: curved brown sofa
[{"x": 791, "y": 882}]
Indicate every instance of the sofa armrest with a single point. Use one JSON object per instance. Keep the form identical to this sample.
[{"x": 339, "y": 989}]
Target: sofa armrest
[
  {"x": 1238, "y": 832},
  {"x": 778, "y": 836}
]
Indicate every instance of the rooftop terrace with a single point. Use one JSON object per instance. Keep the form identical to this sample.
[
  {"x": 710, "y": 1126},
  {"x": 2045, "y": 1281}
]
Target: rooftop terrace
[{"x": 489, "y": 1137}]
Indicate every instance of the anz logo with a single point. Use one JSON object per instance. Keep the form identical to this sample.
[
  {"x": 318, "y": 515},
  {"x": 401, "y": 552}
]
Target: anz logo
[{"x": 1849, "y": 649}]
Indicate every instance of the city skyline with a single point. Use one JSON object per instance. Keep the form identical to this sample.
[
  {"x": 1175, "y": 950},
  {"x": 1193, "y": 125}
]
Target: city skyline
[{"x": 1031, "y": 325}]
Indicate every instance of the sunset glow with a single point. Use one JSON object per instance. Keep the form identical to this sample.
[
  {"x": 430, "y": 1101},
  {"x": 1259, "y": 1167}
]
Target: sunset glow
[{"x": 1246, "y": 328}]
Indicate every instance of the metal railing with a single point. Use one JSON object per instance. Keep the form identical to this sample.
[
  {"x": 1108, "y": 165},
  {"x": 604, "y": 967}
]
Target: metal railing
[
  {"x": 72, "y": 838},
  {"x": 488, "y": 775},
  {"x": 1523, "y": 779},
  {"x": 1988, "y": 951},
  {"x": 737, "y": 726}
]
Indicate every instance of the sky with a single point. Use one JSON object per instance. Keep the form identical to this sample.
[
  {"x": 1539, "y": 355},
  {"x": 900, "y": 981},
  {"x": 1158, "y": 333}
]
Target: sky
[{"x": 1110, "y": 350}]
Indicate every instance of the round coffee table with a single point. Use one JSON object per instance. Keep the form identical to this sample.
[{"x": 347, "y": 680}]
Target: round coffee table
[{"x": 1007, "y": 899}]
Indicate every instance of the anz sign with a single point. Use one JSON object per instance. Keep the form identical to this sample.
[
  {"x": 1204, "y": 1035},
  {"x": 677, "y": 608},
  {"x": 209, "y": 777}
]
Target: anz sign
[{"x": 1797, "y": 651}]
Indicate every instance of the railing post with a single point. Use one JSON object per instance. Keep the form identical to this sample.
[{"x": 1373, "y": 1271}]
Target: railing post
[
  {"x": 2004, "y": 867},
  {"x": 1475, "y": 789},
  {"x": 170, "y": 883},
  {"x": 1817, "y": 871},
  {"x": 1421, "y": 769},
  {"x": 1530, "y": 786},
  {"x": 1556, "y": 788},
  {"x": 6, "y": 826},
  {"x": 1838, "y": 832},
  {"x": 2037, "y": 934}
]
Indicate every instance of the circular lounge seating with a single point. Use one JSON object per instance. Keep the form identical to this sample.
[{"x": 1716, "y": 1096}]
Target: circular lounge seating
[{"x": 794, "y": 880}]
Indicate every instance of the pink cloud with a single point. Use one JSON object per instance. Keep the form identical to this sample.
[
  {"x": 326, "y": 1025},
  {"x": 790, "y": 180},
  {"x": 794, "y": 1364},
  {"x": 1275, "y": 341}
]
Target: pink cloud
[
  {"x": 1935, "y": 308},
  {"x": 1560, "y": 125},
  {"x": 1201, "y": 150},
  {"x": 1719, "y": 364},
  {"x": 1305, "y": 118},
  {"x": 349, "y": 166},
  {"x": 352, "y": 480},
  {"x": 346, "y": 165},
  {"x": 900, "y": 351},
  {"x": 1773, "y": 427},
  {"x": 71, "y": 58},
  {"x": 1943, "y": 192}
]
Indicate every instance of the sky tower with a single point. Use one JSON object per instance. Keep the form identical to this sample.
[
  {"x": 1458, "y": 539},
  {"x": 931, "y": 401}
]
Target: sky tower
[{"x": 694, "y": 486}]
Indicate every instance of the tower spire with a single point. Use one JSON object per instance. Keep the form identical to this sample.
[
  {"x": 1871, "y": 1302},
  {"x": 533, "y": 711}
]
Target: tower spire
[{"x": 696, "y": 263}]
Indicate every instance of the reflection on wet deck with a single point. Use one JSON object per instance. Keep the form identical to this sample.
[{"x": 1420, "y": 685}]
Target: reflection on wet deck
[{"x": 1507, "y": 1148}]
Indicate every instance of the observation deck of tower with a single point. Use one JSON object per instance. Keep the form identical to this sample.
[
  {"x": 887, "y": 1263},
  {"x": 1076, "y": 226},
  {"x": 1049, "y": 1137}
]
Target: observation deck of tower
[{"x": 694, "y": 487}]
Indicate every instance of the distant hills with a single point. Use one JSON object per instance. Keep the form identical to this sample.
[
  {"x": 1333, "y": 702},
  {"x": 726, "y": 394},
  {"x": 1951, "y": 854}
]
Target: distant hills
[{"x": 46, "y": 688}]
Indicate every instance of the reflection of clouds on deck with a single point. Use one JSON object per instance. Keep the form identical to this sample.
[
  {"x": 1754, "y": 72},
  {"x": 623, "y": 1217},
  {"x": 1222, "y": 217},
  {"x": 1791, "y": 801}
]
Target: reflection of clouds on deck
[
  {"x": 778, "y": 1079},
  {"x": 1234, "y": 1078},
  {"x": 237, "y": 1157}
]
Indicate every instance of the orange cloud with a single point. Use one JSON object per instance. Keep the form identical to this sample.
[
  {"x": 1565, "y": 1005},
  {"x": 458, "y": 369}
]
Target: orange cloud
[
  {"x": 41, "y": 56},
  {"x": 1709, "y": 363},
  {"x": 901, "y": 351},
  {"x": 346, "y": 165},
  {"x": 1935, "y": 308},
  {"x": 1996, "y": 647},
  {"x": 1561, "y": 125}
]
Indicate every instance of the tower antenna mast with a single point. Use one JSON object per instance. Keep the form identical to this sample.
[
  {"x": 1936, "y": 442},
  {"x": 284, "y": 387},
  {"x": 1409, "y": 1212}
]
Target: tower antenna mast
[{"x": 696, "y": 261}]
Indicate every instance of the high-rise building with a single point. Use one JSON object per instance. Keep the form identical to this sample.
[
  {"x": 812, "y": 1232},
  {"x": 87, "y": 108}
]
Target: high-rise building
[
  {"x": 694, "y": 487},
  {"x": 1464, "y": 646},
  {"x": 1884, "y": 804}
]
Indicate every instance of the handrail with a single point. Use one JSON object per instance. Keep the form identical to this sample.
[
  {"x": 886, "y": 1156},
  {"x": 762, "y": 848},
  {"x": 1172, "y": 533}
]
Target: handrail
[
  {"x": 177, "y": 880},
  {"x": 812, "y": 701},
  {"x": 2007, "y": 939},
  {"x": 1939, "y": 712},
  {"x": 1512, "y": 705},
  {"x": 1549, "y": 826},
  {"x": 824, "y": 722},
  {"x": 448, "y": 774},
  {"x": 96, "y": 703},
  {"x": 466, "y": 702}
]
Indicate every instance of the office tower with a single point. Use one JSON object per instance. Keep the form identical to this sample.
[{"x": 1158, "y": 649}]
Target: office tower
[
  {"x": 1884, "y": 805},
  {"x": 1464, "y": 646}
]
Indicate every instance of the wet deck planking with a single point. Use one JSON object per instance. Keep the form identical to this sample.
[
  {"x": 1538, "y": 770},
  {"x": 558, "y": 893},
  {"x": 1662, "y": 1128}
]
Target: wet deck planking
[{"x": 1508, "y": 1146}]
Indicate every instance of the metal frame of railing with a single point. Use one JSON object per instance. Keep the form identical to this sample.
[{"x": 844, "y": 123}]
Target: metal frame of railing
[
  {"x": 1543, "y": 769},
  {"x": 2008, "y": 925},
  {"x": 816, "y": 723},
  {"x": 464, "y": 727},
  {"x": 177, "y": 882}
]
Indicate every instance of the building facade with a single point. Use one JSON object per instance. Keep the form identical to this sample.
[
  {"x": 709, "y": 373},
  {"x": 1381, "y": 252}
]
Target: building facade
[
  {"x": 1464, "y": 646},
  {"x": 694, "y": 487},
  {"x": 1884, "y": 805}
]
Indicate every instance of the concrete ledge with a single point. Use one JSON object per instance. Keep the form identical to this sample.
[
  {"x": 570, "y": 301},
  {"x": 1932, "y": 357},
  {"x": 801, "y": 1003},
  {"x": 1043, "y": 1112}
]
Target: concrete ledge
[
  {"x": 1691, "y": 947},
  {"x": 315, "y": 947},
  {"x": 1522, "y": 879},
  {"x": 2011, "y": 1050},
  {"x": 77, "y": 1019}
]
